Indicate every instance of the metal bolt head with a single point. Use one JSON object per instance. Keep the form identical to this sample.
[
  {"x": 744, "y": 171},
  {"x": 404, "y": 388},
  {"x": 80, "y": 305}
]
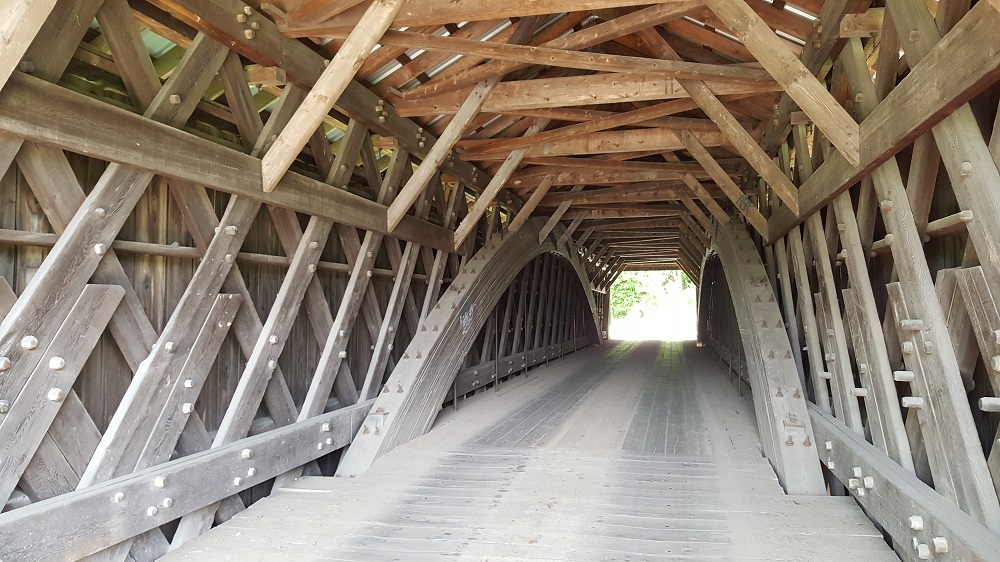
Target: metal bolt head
[
  {"x": 343, "y": 355},
  {"x": 188, "y": 383},
  {"x": 242, "y": 18},
  {"x": 167, "y": 502},
  {"x": 4, "y": 406},
  {"x": 56, "y": 394},
  {"x": 160, "y": 482},
  {"x": 325, "y": 427},
  {"x": 29, "y": 342},
  {"x": 923, "y": 552},
  {"x": 100, "y": 212},
  {"x": 57, "y": 363},
  {"x": 187, "y": 407},
  {"x": 170, "y": 346},
  {"x": 311, "y": 268},
  {"x": 313, "y": 245},
  {"x": 329, "y": 441},
  {"x": 119, "y": 497},
  {"x": 4, "y": 363},
  {"x": 249, "y": 33},
  {"x": 272, "y": 364},
  {"x": 237, "y": 481},
  {"x": 828, "y": 445},
  {"x": 272, "y": 340},
  {"x": 174, "y": 99},
  {"x": 856, "y": 471},
  {"x": 231, "y": 230},
  {"x": 940, "y": 545},
  {"x": 254, "y": 25},
  {"x": 869, "y": 482},
  {"x": 248, "y": 10},
  {"x": 151, "y": 510},
  {"x": 246, "y": 454},
  {"x": 916, "y": 523},
  {"x": 100, "y": 249}
]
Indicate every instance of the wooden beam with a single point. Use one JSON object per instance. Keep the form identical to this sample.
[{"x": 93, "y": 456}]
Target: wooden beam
[
  {"x": 572, "y": 91},
  {"x": 35, "y": 110},
  {"x": 327, "y": 90},
  {"x": 907, "y": 113},
  {"x": 23, "y": 20},
  {"x": 722, "y": 179},
  {"x": 797, "y": 81},
  {"x": 440, "y": 12},
  {"x": 641, "y": 116},
  {"x": 303, "y": 67},
  {"x": 740, "y": 138},
  {"x": 207, "y": 477},
  {"x": 572, "y": 59},
  {"x": 496, "y": 184},
  {"x": 529, "y": 206},
  {"x": 438, "y": 153}
]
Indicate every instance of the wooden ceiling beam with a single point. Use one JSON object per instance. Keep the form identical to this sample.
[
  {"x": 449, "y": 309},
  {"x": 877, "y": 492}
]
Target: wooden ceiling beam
[
  {"x": 658, "y": 112},
  {"x": 797, "y": 80},
  {"x": 327, "y": 90},
  {"x": 575, "y": 90},
  {"x": 436, "y": 156},
  {"x": 619, "y": 194},
  {"x": 727, "y": 184},
  {"x": 547, "y": 56},
  {"x": 303, "y": 66},
  {"x": 440, "y": 12},
  {"x": 576, "y": 40},
  {"x": 745, "y": 144}
]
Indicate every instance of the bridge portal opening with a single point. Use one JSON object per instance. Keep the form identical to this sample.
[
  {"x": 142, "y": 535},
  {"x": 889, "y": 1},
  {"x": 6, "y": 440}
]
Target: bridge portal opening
[{"x": 653, "y": 305}]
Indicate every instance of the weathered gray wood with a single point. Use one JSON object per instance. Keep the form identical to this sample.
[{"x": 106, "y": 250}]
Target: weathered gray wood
[
  {"x": 946, "y": 420},
  {"x": 885, "y": 420},
  {"x": 896, "y": 496},
  {"x": 782, "y": 418},
  {"x": 49, "y": 114},
  {"x": 436, "y": 274},
  {"x": 412, "y": 400},
  {"x": 28, "y": 531},
  {"x": 31, "y": 414},
  {"x": 82, "y": 246}
]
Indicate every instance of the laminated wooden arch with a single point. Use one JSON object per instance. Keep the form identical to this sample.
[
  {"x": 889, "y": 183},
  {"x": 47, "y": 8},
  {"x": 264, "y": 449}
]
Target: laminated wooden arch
[
  {"x": 411, "y": 397},
  {"x": 786, "y": 434}
]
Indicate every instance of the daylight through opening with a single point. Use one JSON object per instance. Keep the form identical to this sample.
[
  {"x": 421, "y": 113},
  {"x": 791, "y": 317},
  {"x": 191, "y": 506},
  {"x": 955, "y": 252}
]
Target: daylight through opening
[{"x": 653, "y": 305}]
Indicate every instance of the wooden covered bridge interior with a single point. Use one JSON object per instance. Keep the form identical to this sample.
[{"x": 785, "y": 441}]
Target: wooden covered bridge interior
[{"x": 329, "y": 279}]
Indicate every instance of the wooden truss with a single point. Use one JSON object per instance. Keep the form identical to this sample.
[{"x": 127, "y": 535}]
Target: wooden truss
[{"x": 201, "y": 200}]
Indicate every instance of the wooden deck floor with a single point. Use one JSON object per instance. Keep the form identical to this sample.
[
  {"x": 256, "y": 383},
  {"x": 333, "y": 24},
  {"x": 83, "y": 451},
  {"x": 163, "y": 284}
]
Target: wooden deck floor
[{"x": 630, "y": 451}]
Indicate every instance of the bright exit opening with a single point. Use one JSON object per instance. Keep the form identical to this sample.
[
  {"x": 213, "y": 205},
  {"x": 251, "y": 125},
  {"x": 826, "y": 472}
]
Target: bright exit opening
[{"x": 653, "y": 305}]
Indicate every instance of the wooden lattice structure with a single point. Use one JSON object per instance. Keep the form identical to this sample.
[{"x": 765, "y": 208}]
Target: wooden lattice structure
[{"x": 242, "y": 242}]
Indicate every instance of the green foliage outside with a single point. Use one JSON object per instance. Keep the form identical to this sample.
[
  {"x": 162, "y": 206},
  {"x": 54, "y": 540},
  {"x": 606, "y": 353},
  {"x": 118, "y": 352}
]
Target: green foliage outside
[{"x": 636, "y": 292}]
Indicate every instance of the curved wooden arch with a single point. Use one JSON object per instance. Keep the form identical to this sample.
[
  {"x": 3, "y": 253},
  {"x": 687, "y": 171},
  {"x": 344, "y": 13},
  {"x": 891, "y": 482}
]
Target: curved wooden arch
[
  {"x": 412, "y": 396},
  {"x": 786, "y": 433}
]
